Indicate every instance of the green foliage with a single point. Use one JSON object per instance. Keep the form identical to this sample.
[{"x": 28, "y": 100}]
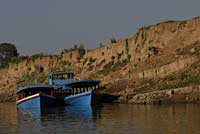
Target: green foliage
[
  {"x": 171, "y": 77},
  {"x": 127, "y": 60},
  {"x": 182, "y": 76},
  {"x": 81, "y": 47},
  {"x": 81, "y": 51},
  {"x": 27, "y": 78},
  {"x": 36, "y": 56},
  {"x": 7, "y": 51},
  {"x": 129, "y": 57},
  {"x": 42, "y": 79},
  {"x": 17, "y": 60},
  {"x": 107, "y": 68}
]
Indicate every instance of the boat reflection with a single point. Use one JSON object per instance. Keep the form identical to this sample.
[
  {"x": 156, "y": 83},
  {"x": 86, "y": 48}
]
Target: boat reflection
[{"x": 61, "y": 118}]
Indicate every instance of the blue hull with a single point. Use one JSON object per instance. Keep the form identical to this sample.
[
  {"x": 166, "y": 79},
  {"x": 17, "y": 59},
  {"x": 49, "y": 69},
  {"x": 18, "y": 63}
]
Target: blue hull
[
  {"x": 81, "y": 99},
  {"x": 37, "y": 101}
]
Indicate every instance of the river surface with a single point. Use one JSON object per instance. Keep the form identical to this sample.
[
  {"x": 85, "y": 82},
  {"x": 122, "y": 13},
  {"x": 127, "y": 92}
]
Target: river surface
[{"x": 105, "y": 119}]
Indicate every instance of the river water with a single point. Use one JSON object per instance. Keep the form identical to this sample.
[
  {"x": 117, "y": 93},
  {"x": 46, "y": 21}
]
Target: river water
[{"x": 104, "y": 119}]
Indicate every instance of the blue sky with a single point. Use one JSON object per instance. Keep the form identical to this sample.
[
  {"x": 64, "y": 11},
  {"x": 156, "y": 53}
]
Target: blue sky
[{"x": 49, "y": 26}]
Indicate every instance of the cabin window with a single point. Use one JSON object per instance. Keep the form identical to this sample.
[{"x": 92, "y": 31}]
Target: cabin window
[{"x": 63, "y": 76}]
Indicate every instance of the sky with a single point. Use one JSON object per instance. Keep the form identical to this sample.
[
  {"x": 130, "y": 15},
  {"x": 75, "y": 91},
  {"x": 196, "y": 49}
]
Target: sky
[{"x": 49, "y": 26}]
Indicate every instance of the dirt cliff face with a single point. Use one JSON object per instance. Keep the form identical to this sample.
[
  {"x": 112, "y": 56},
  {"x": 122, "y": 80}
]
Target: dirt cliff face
[{"x": 158, "y": 57}]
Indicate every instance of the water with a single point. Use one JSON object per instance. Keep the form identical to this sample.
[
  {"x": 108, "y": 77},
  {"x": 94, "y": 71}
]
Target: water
[{"x": 105, "y": 119}]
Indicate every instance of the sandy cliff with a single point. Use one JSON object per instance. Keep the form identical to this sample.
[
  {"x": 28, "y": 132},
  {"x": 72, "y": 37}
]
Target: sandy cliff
[{"x": 157, "y": 58}]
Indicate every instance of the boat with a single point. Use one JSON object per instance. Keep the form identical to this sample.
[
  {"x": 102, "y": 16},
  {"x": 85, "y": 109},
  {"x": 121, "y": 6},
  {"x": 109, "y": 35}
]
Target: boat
[
  {"x": 39, "y": 96},
  {"x": 81, "y": 90},
  {"x": 62, "y": 90},
  {"x": 35, "y": 96}
]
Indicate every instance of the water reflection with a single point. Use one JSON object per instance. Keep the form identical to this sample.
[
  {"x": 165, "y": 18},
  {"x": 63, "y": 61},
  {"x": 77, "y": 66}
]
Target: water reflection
[
  {"x": 112, "y": 119},
  {"x": 56, "y": 120}
]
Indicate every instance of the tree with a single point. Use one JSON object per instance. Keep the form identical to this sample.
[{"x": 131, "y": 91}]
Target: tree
[
  {"x": 81, "y": 47},
  {"x": 81, "y": 50},
  {"x": 7, "y": 51}
]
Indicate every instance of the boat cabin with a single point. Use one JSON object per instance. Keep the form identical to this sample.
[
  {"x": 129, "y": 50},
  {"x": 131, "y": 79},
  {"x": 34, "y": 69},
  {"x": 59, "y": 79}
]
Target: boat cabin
[{"x": 60, "y": 78}]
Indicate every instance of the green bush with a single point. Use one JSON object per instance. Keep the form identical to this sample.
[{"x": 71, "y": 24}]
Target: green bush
[
  {"x": 182, "y": 76},
  {"x": 171, "y": 77},
  {"x": 36, "y": 56},
  {"x": 17, "y": 60},
  {"x": 27, "y": 77}
]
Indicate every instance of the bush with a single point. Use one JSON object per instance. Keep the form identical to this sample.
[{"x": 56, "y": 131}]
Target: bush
[
  {"x": 36, "y": 56},
  {"x": 182, "y": 76},
  {"x": 17, "y": 60},
  {"x": 171, "y": 77},
  {"x": 27, "y": 78}
]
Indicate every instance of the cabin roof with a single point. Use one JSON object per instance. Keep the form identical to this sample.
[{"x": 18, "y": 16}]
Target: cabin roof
[
  {"x": 57, "y": 73},
  {"x": 40, "y": 87},
  {"x": 83, "y": 83}
]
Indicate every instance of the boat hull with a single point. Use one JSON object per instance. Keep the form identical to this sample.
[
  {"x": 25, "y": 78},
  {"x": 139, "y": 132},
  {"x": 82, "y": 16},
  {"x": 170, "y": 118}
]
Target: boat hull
[
  {"x": 81, "y": 99},
  {"x": 37, "y": 101}
]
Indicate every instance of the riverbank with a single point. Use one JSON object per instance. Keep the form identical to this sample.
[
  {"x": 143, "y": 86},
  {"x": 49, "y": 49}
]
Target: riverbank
[
  {"x": 143, "y": 69},
  {"x": 179, "y": 95}
]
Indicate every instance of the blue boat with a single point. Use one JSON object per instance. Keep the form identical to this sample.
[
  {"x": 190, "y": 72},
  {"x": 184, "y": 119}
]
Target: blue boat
[
  {"x": 62, "y": 90},
  {"x": 39, "y": 96},
  {"x": 35, "y": 96}
]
